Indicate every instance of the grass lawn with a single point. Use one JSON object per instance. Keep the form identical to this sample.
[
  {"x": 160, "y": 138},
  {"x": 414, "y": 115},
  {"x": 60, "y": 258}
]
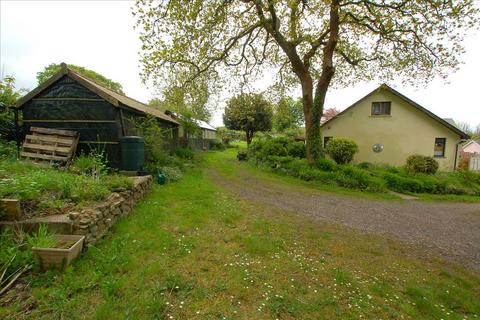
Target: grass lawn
[{"x": 192, "y": 251}]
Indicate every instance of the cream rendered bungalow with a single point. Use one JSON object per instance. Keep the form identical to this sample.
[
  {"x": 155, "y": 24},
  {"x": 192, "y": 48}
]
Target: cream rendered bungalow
[{"x": 388, "y": 127}]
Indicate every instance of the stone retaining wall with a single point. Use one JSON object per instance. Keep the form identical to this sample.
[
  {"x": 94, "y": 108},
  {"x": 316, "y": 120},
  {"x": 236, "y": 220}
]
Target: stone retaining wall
[{"x": 94, "y": 222}]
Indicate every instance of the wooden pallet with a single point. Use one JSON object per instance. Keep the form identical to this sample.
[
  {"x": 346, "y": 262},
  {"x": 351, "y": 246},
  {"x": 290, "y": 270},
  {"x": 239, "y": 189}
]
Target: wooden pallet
[{"x": 50, "y": 145}]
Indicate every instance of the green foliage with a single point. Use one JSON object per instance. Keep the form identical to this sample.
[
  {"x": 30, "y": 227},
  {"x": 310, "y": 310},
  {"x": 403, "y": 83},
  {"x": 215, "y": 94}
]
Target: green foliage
[
  {"x": 325, "y": 165},
  {"x": 421, "y": 164},
  {"x": 288, "y": 114},
  {"x": 296, "y": 149},
  {"x": 249, "y": 113},
  {"x": 14, "y": 253},
  {"x": 43, "y": 238},
  {"x": 185, "y": 153},
  {"x": 281, "y": 146},
  {"x": 326, "y": 171},
  {"x": 94, "y": 164},
  {"x": 242, "y": 155},
  {"x": 172, "y": 174},
  {"x": 44, "y": 187},
  {"x": 402, "y": 184},
  {"x": 217, "y": 145},
  {"x": 154, "y": 136},
  {"x": 8, "y": 149},
  {"x": 355, "y": 178},
  {"x": 8, "y": 99},
  {"x": 189, "y": 99},
  {"x": 274, "y": 154},
  {"x": 54, "y": 68},
  {"x": 341, "y": 150}
]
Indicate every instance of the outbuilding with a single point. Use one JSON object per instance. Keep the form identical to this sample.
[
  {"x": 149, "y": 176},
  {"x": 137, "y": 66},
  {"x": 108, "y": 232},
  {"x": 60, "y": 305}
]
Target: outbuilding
[
  {"x": 201, "y": 139},
  {"x": 101, "y": 116}
]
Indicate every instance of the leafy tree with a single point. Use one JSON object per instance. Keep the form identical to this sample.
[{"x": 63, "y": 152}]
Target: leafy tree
[
  {"x": 54, "y": 68},
  {"x": 188, "y": 102},
  {"x": 288, "y": 114},
  {"x": 8, "y": 97},
  {"x": 329, "y": 114},
  {"x": 248, "y": 112},
  {"x": 473, "y": 132},
  {"x": 312, "y": 43}
]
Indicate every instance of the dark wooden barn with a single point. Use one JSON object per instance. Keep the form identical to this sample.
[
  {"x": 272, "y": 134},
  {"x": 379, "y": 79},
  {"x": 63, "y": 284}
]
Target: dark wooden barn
[{"x": 71, "y": 101}]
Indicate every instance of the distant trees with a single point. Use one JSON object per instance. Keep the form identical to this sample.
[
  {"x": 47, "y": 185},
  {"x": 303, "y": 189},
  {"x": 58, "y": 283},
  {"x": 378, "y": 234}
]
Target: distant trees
[
  {"x": 288, "y": 114},
  {"x": 473, "y": 132},
  {"x": 249, "y": 113},
  {"x": 53, "y": 68},
  {"x": 8, "y": 97}
]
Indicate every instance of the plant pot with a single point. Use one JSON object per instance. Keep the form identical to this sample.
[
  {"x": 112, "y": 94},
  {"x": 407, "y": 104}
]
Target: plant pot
[{"x": 59, "y": 258}]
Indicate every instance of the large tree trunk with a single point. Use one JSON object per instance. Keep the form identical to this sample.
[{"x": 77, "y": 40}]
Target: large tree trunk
[
  {"x": 315, "y": 112},
  {"x": 312, "y": 120}
]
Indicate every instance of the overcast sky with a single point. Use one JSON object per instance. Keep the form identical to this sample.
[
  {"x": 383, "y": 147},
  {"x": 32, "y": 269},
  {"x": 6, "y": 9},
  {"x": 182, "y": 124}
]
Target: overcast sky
[{"x": 99, "y": 35}]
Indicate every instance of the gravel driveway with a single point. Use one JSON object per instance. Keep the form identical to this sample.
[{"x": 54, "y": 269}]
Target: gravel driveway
[{"x": 451, "y": 228}]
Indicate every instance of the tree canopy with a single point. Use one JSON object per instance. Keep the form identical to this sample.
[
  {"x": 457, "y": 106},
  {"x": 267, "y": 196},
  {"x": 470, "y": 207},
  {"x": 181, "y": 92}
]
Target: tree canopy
[
  {"x": 8, "y": 97},
  {"x": 249, "y": 113},
  {"x": 288, "y": 114},
  {"x": 189, "y": 101},
  {"x": 54, "y": 68},
  {"x": 314, "y": 44}
]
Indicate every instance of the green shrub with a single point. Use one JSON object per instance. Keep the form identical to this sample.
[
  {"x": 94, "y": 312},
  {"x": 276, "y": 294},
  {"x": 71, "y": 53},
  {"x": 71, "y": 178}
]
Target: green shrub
[
  {"x": 94, "y": 164},
  {"x": 278, "y": 162},
  {"x": 172, "y": 174},
  {"x": 359, "y": 179},
  {"x": 398, "y": 183},
  {"x": 185, "y": 153},
  {"x": 421, "y": 164},
  {"x": 365, "y": 165},
  {"x": 242, "y": 155},
  {"x": 325, "y": 164},
  {"x": 295, "y": 166},
  {"x": 217, "y": 145},
  {"x": 341, "y": 150},
  {"x": 273, "y": 147},
  {"x": 296, "y": 149},
  {"x": 8, "y": 149}
]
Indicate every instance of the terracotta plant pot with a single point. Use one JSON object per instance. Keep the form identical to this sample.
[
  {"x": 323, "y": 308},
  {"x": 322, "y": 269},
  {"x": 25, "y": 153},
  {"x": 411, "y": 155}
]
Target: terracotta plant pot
[{"x": 59, "y": 258}]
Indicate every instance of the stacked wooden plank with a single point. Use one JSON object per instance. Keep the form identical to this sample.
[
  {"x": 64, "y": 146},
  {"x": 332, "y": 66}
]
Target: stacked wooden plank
[{"x": 50, "y": 145}]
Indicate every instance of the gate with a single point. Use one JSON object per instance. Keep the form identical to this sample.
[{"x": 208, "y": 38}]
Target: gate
[{"x": 474, "y": 163}]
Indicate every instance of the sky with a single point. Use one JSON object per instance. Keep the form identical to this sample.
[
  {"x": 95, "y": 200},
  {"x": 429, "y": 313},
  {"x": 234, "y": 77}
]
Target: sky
[{"x": 99, "y": 35}]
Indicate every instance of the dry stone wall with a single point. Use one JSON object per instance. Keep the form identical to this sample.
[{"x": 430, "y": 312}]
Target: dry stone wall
[{"x": 94, "y": 222}]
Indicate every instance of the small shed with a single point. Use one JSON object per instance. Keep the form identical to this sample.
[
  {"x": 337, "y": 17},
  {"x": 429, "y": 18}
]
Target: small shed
[
  {"x": 101, "y": 116},
  {"x": 200, "y": 140}
]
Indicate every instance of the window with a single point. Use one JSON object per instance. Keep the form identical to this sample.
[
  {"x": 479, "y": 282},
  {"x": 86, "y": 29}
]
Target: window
[
  {"x": 439, "y": 149},
  {"x": 381, "y": 108},
  {"x": 325, "y": 141}
]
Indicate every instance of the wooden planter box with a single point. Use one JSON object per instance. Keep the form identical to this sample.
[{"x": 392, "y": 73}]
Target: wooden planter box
[{"x": 59, "y": 258}]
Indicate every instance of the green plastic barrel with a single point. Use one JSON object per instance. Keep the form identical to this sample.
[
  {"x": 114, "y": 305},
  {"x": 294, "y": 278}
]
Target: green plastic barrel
[{"x": 133, "y": 153}]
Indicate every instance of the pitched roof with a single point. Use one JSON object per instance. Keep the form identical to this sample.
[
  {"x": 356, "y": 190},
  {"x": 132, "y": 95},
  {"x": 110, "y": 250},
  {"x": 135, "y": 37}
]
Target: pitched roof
[
  {"x": 202, "y": 124},
  {"x": 109, "y": 95},
  {"x": 470, "y": 142},
  {"x": 412, "y": 103}
]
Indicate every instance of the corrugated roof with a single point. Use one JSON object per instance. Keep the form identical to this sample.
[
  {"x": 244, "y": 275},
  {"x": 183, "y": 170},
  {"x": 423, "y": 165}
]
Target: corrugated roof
[
  {"x": 202, "y": 124},
  {"x": 411, "y": 102},
  {"x": 111, "y": 96}
]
